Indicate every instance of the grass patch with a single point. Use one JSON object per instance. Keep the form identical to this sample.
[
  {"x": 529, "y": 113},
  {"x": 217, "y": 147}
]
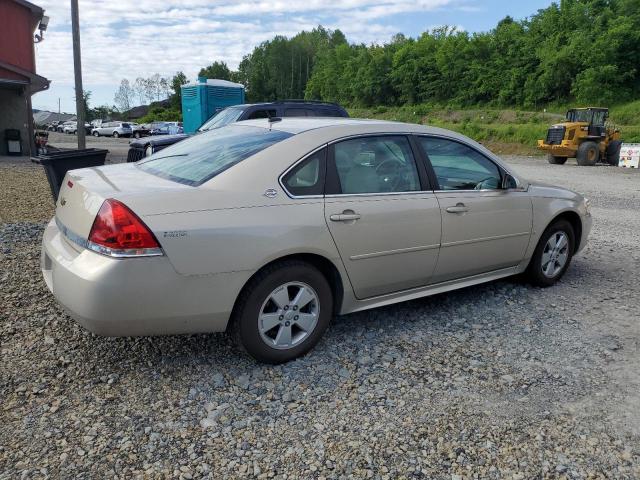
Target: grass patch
[{"x": 503, "y": 130}]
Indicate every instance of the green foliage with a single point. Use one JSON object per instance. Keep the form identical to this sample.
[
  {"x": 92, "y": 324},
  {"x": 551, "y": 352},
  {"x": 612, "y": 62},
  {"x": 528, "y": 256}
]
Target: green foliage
[
  {"x": 218, "y": 70},
  {"x": 160, "y": 114},
  {"x": 281, "y": 68},
  {"x": 587, "y": 51},
  {"x": 497, "y": 125},
  {"x": 177, "y": 81},
  {"x": 104, "y": 112},
  {"x": 626, "y": 114}
]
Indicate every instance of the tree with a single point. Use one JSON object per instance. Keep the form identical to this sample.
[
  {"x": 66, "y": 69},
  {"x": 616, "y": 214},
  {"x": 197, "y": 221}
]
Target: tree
[
  {"x": 218, "y": 70},
  {"x": 86, "y": 96},
  {"x": 177, "y": 81},
  {"x": 140, "y": 89},
  {"x": 124, "y": 96}
]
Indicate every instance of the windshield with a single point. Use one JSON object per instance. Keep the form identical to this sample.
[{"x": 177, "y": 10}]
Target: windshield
[
  {"x": 222, "y": 118},
  {"x": 579, "y": 116},
  {"x": 198, "y": 159}
]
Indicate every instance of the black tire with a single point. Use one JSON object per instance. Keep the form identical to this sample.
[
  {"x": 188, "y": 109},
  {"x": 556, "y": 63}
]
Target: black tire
[
  {"x": 613, "y": 152},
  {"x": 116, "y": 135},
  {"x": 137, "y": 135},
  {"x": 96, "y": 134},
  {"x": 588, "y": 154},
  {"x": 535, "y": 272},
  {"x": 553, "y": 160},
  {"x": 244, "y": 321}
]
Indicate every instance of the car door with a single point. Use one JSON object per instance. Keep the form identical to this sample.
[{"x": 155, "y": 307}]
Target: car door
[
  {"x": 382, "y": 214},
  {"x": 484, "y": 227}
]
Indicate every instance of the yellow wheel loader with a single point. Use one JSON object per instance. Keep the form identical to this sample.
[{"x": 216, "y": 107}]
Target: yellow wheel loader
[{"x": 586, "y": 136}]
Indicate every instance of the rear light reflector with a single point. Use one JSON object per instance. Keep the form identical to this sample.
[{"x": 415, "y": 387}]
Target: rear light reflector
[{"x": 118, "y": 232}]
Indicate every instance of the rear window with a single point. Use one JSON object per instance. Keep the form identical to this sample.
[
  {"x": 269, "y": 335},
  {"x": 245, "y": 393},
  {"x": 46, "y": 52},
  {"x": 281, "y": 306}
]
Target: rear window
[
  {"x": 200, "y": 158},
  {"x": 126, "y": 125}
]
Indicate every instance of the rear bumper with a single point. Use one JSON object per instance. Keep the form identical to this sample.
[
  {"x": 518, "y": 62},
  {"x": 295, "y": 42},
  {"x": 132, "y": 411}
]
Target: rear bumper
[{"x": 135, "y": 296}]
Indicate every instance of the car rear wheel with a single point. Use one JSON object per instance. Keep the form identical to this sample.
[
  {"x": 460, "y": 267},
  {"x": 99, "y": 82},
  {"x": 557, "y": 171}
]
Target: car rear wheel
[
  {"x": 553, "y": 160},
  {"x": 116, "y": 134},
  {"x": 588, "y": 154},
  {"x": 283, "y": 312},
  {"x": 137, "y": 135},
  {"x": 553, "y": 254}
]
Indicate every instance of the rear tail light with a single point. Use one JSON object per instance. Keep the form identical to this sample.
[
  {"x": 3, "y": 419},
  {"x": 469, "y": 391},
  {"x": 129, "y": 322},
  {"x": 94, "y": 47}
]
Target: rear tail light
[{"x": 118, "y": 232}]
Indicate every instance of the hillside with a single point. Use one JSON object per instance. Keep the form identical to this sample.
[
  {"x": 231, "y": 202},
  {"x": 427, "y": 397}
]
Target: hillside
[{"x": 505, "y": 131}]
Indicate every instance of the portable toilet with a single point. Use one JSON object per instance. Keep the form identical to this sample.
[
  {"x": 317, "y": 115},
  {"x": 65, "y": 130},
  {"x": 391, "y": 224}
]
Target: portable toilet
[{"x": 205, "y": 98}]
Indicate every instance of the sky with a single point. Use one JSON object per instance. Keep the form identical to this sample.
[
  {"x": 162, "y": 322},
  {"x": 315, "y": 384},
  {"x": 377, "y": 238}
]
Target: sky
[{"x": 126, "y": 39}]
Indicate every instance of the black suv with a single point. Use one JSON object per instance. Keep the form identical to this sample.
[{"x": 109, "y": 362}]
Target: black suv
[{"x": 144, "y": 147}]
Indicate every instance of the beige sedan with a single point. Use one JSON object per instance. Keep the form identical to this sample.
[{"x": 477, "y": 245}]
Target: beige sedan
[{"x": 269, "y": 228}]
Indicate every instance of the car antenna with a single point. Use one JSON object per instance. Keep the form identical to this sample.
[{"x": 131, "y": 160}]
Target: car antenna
[{"x": 273, "y": 120}]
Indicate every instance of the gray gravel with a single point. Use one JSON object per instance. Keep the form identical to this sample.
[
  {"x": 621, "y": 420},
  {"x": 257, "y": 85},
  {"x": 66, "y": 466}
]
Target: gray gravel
[
  {"x": 497, "y": 381},
  {"x": 118, "y": 147}
]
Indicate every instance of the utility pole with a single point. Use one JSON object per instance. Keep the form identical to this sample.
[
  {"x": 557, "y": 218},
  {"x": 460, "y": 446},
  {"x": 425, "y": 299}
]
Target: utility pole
[
  {"x": 58, "y": 105},
  {"x": 77, "y": 68}
]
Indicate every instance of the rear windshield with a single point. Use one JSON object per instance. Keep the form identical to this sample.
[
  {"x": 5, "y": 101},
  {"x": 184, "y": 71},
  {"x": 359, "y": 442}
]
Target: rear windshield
[{"x": 197, "y": 159}]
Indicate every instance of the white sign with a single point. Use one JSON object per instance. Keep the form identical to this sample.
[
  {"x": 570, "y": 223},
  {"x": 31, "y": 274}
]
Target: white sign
[{"x": 629, "y": 155}]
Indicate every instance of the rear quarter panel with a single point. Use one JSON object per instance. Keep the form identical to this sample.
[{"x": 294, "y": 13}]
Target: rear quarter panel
[{"x": 242, "y": 239}]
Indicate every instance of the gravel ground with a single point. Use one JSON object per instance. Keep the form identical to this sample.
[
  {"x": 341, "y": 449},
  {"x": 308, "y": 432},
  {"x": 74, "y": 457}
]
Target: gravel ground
[
  {"x": 118, "y": 147},
  {"x": 496, "y": 381}
]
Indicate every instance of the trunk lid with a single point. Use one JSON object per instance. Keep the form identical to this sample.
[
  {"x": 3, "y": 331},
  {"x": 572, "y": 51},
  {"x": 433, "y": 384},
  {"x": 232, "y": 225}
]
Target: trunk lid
[{"x": 84, "y": 190}]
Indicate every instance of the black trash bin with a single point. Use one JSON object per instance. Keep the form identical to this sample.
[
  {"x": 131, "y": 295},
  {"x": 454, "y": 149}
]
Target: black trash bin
[{"x": 57, "y": 164}]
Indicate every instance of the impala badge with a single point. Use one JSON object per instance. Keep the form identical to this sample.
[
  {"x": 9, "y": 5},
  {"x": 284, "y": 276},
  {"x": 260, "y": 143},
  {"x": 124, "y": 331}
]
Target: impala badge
[{"x": 270, "y": 192}]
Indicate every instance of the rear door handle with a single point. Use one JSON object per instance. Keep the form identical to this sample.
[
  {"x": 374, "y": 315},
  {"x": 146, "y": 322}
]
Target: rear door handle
[
  {"x": 344, "y": 217},
  {"x": 459, "y": 208}
]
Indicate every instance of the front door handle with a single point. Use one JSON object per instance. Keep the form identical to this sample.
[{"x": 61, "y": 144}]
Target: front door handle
[
  {"x": 459, "y": 208},
  {"x": 344, "y": 217}
]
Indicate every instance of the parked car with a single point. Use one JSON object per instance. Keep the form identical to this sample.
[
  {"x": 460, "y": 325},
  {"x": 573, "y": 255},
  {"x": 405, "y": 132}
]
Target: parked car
[
  {"x": 72, "y": 128},
  {"x": 112, "y": 129},
  {"x": 270, "y": 228},
  {"x": 139, "y": 131},
  {"x": 236, "y": 113},
  {"x": 60, "y": 127},
  {"x": 53, "y": 126},
  {"x": 166, "y": 128}
]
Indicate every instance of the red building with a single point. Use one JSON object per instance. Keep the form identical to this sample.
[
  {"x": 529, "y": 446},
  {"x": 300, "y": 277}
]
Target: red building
[{"x": 19, "y": 20}]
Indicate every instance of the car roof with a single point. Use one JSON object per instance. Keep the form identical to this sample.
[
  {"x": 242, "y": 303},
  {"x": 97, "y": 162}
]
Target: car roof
[
  {"x": 289, "y": 103},
  {"x": 298, "y": 125}
]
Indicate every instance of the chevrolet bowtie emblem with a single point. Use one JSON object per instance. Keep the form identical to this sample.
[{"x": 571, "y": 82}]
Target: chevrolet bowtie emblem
[{"x": 63, "y": 202}]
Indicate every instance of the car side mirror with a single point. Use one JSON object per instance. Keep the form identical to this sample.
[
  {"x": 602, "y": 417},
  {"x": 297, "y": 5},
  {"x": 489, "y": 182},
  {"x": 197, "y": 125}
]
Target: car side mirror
[{"x": 509, "y": 182}]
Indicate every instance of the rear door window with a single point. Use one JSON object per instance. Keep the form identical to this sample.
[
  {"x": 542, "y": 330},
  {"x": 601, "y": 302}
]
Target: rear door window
[
  {"x": 261, "y": 113},
  {"x": 295, "y": 112},
  {"x": 198, "y": 159},
  {"x": 376, "y": 165}
]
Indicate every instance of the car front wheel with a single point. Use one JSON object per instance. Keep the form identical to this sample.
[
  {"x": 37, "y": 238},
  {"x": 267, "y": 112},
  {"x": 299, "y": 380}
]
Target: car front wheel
[
  {"x": 96, "y": 134},
  {"x": 116, "y": 134},
  {"x": 283, "y": 312},
  {"x": 553, "y": 254}
]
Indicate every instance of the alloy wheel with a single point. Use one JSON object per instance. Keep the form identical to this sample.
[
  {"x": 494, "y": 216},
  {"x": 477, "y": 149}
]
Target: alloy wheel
[
  {"x": 288, "y": 315},
  {"x": 555, "y": 254}
]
